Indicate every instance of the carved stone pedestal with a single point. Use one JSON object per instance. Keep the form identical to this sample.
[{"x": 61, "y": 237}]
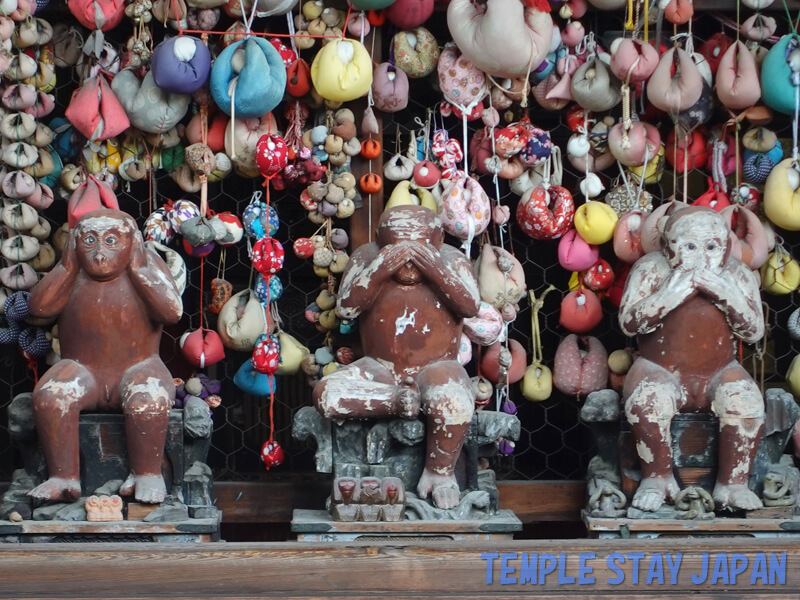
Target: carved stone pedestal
[
  {"x": 613, "y": 476},
  {"x": 188, "y": 531},
  {"x": 751, "y": 526},
  {"x": 187, "y": 514},
  {"x": 317, "y": 526}
]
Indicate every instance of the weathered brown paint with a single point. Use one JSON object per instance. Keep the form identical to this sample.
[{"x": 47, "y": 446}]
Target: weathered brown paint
[
  {"x": 112, "y": 297},
  {"x": 411, "y": 293},
  {"x": 689, "y": 304}
]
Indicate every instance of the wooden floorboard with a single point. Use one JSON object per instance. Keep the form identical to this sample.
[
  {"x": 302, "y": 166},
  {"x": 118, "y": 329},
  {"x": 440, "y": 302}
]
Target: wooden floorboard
[{"x": 368, "y": 570}]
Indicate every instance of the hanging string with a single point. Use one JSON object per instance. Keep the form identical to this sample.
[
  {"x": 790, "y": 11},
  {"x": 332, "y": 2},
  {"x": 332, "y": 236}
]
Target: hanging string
[
  {"x": 792, "y": 23},
  {"x": 537, "y": 355},
  {"x": 203, "y": 322},
  {"x": 496, "y": 180}
]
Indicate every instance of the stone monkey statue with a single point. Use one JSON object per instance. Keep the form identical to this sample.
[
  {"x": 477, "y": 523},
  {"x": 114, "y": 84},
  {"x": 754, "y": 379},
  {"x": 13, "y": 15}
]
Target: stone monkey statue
[
  {"x": 112, "y": 297},
  {"x": 411, "y": 293},
  {"x": 689, "y": 304}
]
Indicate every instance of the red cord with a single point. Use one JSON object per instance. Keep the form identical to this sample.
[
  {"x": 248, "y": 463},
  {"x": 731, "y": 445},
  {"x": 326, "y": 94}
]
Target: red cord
[
  {"x": 202, "y": 271},
  {"x": 263, "y": 34}
]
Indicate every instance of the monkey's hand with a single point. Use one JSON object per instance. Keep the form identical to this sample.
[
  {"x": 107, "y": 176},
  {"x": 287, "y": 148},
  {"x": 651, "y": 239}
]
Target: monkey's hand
[
  {"x": 711, "y": 284},
  {"x": 428, "y": 260},
  {"x": 154, "y": 284},
  {"x": 69, "y": 259},
  {"x": 394, "y": 256},
  {"x": 138, "y": 254}
]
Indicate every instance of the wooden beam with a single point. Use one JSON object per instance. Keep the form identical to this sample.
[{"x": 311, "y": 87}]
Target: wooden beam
[
  {"x": 378, "y": 570},
  {"x": 274, "y": 502},
  {"x": 268, "y": 502},
  {"x": 543, "y": 500}
]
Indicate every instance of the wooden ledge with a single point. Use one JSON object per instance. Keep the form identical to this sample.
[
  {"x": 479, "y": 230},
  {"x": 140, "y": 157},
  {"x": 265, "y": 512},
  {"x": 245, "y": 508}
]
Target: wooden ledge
[
  {"x": 274, "y": 502},
  {"x": 377, "y": 570}
]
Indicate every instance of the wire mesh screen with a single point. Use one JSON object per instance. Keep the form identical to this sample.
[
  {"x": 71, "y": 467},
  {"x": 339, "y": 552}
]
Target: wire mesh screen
[{"x": 553, "y": 445}]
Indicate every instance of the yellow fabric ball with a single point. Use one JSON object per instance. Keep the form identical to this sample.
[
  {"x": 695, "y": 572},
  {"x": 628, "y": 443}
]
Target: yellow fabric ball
[
  {"x": 780, "y": 275},
  {"x": 342, "y": 71},
  {"x": 292, "y": 354},
  {"x": 537, "y": 384},
  {"x": 782, "y": 196},
  {"x": 793, "y": 376},
  {"x": 595, "y": 222},
  {"x": 654, "y": 170}
]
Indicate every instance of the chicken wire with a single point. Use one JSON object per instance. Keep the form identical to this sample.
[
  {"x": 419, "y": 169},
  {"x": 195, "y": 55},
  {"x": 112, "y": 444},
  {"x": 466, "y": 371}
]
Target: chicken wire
[{"x": 554, "y": 444}]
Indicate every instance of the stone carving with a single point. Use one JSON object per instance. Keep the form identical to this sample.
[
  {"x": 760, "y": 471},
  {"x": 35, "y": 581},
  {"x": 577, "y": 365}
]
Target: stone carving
[
  {"x": 104, "y": 508},
  {"x": 411, "y": 293},
  {"x": 368, "y": 499},
  {"x": 112, "y": 297},
  {"x": 689, "y": 304},
  {"x": 694, "y": 503}
]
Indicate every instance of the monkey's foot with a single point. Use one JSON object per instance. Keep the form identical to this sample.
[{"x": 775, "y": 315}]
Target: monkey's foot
[
  {"x": 57, "y": 489},
  {"x": 736, "y": 496},
  {"x": 443, "y": 489},
  {"x": 149, "y": 489},
  {"x": 408, "y": 399},
  {"x": 654, "y": 491}
]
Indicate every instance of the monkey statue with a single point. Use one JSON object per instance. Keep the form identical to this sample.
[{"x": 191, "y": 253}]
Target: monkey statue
[
  {"x": 411, "y": 292},
  {"x": 689, "y": 304},
  {"x": 111, "y": 297}
]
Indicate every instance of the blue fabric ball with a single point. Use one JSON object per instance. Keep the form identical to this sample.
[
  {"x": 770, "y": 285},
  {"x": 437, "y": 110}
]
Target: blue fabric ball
[
  {"x": 257, "y": 88},
  {"x": 173, "y": 74}
]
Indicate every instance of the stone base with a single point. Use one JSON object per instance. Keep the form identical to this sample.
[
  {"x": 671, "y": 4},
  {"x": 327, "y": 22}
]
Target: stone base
[
  {"x": 752, "y": 526},
  {"x": 317, "y": 526},
  {"x": 190, "y": 530}
]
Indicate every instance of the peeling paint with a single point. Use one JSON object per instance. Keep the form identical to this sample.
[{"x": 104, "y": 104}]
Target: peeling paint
[
  {"x": 154, "y": 390},
  {"x": 404, "y": 320},
  {"x": 102, "y": 224},
  {"x": 644, "y": 452}
]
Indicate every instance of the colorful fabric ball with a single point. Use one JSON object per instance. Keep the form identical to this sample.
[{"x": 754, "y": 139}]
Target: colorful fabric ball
[
  {"x": 33, "y": 341},
  {"x": 271, "y": 454},
  {"x": 269, "y": 289},
  {"x": 538, "y": 148},
  {"x": 272, "y": 154},
  {"x": 756, "y": 169},
  {"x": 260, "y": 220},
  {"x": 267, "y": 256},
  {"x": 287, "y": 54},
  {"x": 181, "y": 211},
  {"x": 157, "y": 227},
  {"x": 266, "y": 355}
]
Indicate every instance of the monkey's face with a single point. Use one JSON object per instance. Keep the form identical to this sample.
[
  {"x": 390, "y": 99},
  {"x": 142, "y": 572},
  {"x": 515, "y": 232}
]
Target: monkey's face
[
  {"x": 699, "y": 241},
  {"x": 104, "y": 249}
]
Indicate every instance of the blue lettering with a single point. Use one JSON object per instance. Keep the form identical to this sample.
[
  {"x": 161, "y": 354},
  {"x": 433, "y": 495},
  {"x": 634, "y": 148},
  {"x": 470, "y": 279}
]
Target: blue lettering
[
  {"x": 584, "y": 571},
  {"x": 720, "y": 569},
  {"x": 611, "y": 563},
  {"x": 777, "y": 569},
  {"x": 527, "y": 568},
  {"x": 562, "y": 570},
  {"x": 489, "y": 558},
  {"x": 656, "y": 570},
  {"x": 759, "y": 569},
  {"x": 547, "y": 564},
  {"x": 674, "y": 567},
  {"x": 507, "y": 570},
  {"x": 635, "y": 557},
  {"x": 739, "y": 563},
  {"x": 698, "y": 578}
]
